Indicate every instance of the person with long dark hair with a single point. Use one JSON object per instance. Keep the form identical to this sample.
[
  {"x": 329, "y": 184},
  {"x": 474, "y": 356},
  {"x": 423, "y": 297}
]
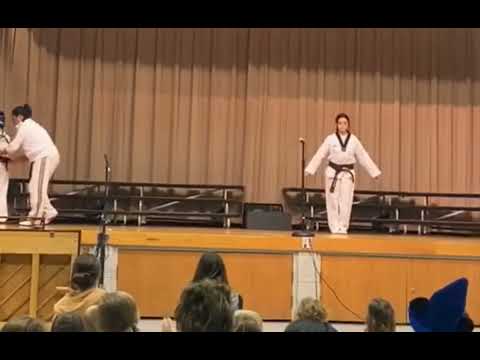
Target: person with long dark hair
[
  {"x": 343, "y": 150},
  {"x": 44, "y": 158},
  {"x": 211, "y": 266},
  {"x": 84, "y": 291}
]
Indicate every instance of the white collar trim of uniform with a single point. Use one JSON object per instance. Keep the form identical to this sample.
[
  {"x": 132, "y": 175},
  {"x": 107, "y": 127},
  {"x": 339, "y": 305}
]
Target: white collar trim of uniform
[{"x": 20, "y": 124}]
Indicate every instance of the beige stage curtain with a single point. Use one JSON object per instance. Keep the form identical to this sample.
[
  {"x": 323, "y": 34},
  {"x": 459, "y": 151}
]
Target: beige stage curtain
[{"x": 227, "y": 106}]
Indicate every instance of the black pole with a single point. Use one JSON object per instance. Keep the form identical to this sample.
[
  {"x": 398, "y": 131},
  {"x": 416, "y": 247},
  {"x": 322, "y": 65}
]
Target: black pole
[
  {"x": 102, "y": 237},
  {"x": 303, "y": 232},
  {"x": 304, "y": 197}
]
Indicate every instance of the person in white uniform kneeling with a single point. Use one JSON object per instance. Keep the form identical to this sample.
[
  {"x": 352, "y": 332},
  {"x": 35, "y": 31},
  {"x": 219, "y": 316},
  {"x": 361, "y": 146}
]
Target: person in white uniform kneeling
[
  {"x": 342, "y": 149},
  {"x": 44, "y": 158}
]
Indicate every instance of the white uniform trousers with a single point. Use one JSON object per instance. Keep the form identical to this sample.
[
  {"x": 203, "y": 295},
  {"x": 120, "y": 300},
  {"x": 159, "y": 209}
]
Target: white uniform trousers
[
  {"x": 4, "y": 179},
  {"x": 339, "y": 203},
  {"x": 42, "y": 171}
]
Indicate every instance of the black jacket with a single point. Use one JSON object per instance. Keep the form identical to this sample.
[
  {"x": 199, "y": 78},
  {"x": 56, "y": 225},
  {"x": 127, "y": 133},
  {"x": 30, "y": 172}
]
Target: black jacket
[{"x": 309, "y": 326}]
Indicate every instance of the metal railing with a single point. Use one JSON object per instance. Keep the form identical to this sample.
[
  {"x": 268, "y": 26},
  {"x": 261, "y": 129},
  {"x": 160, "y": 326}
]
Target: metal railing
[
  {"x": 426, "y": 216},
  {"x": 146, "y": 201}
]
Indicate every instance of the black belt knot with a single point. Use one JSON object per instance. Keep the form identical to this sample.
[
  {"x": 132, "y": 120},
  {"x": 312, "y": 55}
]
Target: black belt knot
[{"x": 339, "y": 169}]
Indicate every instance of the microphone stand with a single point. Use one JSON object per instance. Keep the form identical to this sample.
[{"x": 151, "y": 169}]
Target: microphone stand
[
  {"x": 303, "y": 232},
  {"x": 102, "y": 236}
]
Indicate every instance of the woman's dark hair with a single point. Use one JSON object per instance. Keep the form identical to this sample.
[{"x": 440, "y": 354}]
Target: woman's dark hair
[
  {"x": 23, "y": 110},
  {"x": 381, "y": 316},
  {"x": 211, "y": 266},
  {"x": 24, "y": 324},
  {"x": 85, "y": 272},
  {"x": 419, "y": 305},
  {"x": 342, "y": 115},
  {"x": 68, "y": 322},
  {"x": 205, "y": 306},
  {"x": 117, "y": 312}
]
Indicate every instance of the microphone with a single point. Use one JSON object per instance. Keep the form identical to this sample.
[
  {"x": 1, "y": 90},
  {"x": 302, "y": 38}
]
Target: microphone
[
  {"x": 107, "y": 163},
  {"x": 108, "y": 173}
]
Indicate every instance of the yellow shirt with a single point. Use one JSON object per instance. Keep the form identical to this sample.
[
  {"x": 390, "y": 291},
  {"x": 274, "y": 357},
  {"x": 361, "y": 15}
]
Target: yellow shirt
[{"x": 78, "y": 302}]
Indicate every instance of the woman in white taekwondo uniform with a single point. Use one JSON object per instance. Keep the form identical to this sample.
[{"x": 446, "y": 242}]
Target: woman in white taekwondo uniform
[
  {"x": 342, "y": 149},
  {"x": 4, "y": 177},
  {"x": 44, "y": 158}
]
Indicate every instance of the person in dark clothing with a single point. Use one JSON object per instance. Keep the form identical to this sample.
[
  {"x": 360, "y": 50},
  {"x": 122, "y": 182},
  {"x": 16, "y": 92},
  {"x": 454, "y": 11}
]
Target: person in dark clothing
[
  {"x": 311, "y": 316},
  {"x": 68, "y": 322},
  {"x": 24, "y": 324}
]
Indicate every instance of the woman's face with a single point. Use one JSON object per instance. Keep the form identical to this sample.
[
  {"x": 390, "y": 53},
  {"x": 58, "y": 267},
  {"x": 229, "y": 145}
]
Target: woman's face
[
  {"x": 17, "y": 119},
  {"x": 342, "y": 125}
]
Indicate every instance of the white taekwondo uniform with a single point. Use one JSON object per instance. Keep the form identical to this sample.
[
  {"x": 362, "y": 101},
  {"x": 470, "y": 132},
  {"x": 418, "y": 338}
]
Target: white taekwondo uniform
[
  {"x": 4, "y": 178},
  {"x": 342, "y": 152},
  {"x": 44, "y": 158}
]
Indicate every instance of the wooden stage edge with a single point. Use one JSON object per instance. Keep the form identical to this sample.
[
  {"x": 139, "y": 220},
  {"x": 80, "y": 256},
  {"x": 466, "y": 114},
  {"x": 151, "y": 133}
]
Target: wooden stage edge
[{"x": 244, "y": 240}]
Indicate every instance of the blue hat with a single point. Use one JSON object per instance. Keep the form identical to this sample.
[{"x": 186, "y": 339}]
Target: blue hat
[{"x": 443, "y": 312}]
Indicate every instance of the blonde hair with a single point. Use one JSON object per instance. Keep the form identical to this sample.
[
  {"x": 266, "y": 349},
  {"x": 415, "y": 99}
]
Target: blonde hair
[
  {"x": 381, "y": 316},
  {"x": 247, "y": 321},
  {"x": 311, "y": 309}
]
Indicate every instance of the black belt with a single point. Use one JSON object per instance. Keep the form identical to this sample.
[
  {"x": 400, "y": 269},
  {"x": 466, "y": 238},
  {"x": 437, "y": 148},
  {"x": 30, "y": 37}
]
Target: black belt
[{"x": 339, "y": 169}]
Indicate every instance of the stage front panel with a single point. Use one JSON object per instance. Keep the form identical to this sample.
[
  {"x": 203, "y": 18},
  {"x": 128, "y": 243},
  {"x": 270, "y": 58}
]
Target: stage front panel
[
  {"x": 427, "y": 276},
  {"x": 357, "y": 280},
  {"x": 156, "y": 279}
]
